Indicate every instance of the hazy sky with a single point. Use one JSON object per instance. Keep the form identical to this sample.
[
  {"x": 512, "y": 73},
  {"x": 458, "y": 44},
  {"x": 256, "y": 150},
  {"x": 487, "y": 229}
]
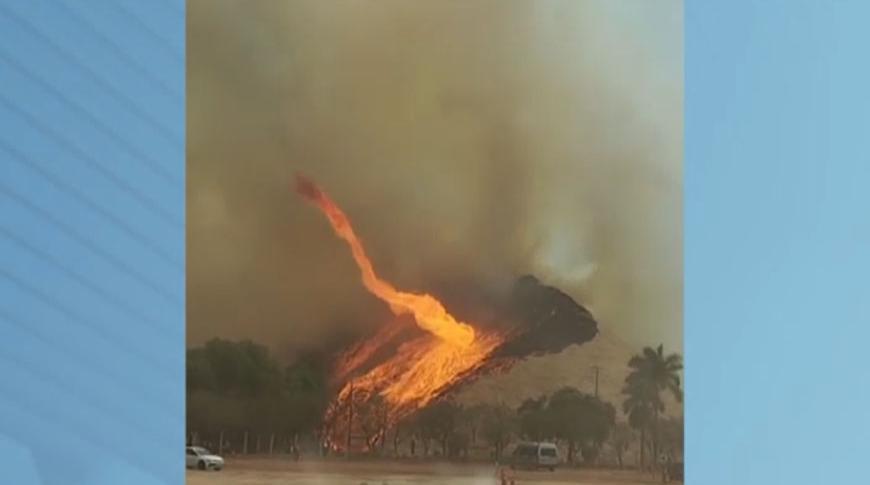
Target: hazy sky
[{"x": 469, "y": 142}]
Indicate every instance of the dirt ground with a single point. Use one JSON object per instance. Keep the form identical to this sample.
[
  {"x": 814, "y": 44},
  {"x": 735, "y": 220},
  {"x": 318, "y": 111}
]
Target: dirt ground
[{"x": 253, "y": 471}]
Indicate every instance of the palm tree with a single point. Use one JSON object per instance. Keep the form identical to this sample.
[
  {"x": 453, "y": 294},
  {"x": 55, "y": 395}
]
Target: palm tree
[
  {"x": 651, "y": 373},
  {"x": 638, "y": 406},
  {"x": 620, "y": 439}
]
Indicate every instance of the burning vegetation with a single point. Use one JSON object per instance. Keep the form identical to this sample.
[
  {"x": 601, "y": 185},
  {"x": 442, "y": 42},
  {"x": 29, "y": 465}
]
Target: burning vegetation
[{"x": 426, "y": 353}]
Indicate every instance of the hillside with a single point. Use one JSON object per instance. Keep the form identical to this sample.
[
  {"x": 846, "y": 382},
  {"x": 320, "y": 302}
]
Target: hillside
[{"x": 574, "y": 367}]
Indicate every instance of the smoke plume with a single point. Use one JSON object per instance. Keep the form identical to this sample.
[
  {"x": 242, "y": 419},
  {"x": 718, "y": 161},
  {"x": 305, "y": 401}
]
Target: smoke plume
[{"x": 470, "y": 142}]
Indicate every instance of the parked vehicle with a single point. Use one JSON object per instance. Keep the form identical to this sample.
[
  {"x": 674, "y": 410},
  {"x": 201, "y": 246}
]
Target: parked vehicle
[
  {"x": 535, "y": 456},
  {"x": 201, "y": 458}
]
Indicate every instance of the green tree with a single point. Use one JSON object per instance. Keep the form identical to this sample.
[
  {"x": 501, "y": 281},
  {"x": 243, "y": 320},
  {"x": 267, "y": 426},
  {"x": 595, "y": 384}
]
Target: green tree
[
  {"x": 238, "y": 387},
  {"x": 535, "y": 422},
  {"x": 584, "y": 421},
  {"x": 307, "y": 393},
  {"x": 472, "y": 419},
  {"x": 497, "y": 426},
  {"x": 620, "y": 440},
  {"x": 457, "y": 444},
  {"x": 438, "y": 422},
  {"x": 672, "y": 437},
  {"x": 638, "y": 407},
  {"x": 200, "y": 375},
  {"x": 651, "y": 374},
  {"x": 233, "y": 368},
  {"x": 599, "y": 420}
]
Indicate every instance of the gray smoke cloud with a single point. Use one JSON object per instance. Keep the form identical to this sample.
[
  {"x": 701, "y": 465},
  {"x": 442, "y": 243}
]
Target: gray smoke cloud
[{"x": 469, "y": 142}]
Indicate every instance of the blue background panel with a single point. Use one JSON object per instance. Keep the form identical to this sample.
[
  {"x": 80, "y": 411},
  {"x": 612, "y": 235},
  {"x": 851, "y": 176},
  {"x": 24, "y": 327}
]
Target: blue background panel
[
  {"x": 777, "y": 242},
  {"x": 92, "y": 189}
]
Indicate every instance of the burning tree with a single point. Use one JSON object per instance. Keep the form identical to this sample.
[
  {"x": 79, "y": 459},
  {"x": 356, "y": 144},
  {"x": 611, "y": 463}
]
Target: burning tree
[{"x": 372, "y": 413}]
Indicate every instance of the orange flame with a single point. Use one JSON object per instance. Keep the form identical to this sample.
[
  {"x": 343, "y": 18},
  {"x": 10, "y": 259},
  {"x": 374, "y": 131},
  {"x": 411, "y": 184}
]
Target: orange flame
[
  {"x": 419, "y": 368},
  {"x": 428, "y": 312}
]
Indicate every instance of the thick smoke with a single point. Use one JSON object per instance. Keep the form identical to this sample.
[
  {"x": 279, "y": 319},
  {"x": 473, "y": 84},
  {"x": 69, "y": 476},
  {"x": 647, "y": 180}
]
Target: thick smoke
[{"x": 469, "y": 142}]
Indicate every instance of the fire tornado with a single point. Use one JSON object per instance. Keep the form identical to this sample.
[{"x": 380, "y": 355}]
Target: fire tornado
[
  {"x": 428, "y": 312},
  {"x": 408, "y": 370}
]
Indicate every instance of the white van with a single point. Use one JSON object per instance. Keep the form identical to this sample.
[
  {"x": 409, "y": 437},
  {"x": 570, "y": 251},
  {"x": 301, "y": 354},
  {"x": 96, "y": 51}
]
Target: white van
[{"x": 535, "y": 455}]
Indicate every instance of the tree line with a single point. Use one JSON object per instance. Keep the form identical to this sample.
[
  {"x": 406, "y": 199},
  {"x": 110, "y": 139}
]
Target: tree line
[{"x": 237, "y": 389}]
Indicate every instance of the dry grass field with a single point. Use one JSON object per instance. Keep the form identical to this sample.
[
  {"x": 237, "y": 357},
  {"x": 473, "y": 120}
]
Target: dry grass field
[{"x": 263, "y": 471}]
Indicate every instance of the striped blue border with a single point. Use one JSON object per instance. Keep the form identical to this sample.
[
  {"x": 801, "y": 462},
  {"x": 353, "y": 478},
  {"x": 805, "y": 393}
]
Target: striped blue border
[
  {"x": 777, "y": 242},
  {"x": 92, "y": 241}
]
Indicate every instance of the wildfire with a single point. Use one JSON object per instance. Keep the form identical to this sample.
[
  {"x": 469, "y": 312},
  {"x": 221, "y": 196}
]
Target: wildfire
[
  {"x": 405, "y": 366},
  {"x": 421, "y": 365}
]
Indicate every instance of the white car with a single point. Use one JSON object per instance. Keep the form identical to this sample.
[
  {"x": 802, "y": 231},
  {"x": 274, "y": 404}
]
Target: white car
[{"x": 201, "y": 458}]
